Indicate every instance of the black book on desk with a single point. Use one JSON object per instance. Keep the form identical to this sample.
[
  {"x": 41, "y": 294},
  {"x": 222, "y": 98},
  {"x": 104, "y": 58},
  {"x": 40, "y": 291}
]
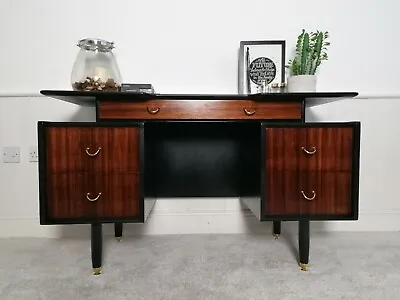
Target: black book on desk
[{"x": 137, "y": 88}]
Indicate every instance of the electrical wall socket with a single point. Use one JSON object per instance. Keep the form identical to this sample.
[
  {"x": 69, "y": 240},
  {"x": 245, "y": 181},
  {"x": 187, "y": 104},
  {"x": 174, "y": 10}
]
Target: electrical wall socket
[
  {"x": 33, "y": 154},
  {"x": 11, "y": 154}
]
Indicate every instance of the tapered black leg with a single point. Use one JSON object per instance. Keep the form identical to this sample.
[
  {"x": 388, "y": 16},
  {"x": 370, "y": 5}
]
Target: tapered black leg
[
  {"x": 118, "y": 231},
  {"x": 97, "y": 247},
  {"x": 276, "y": 228},
  {"x": 304, "y": 244}
]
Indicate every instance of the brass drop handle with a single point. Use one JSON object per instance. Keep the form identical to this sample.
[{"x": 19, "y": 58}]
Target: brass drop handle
[
  {"x": 92, "y": 199},
  {"x": 248, "y": 112},
  {"x": 309, "y": 198},
  {"x": 92, "y": 154},
  {"x": 153, "y": 111},
  {"x": 308, "y": 151}
]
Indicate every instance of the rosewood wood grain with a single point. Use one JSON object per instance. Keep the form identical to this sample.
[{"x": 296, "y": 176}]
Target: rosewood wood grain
[
  {"x": 326, "y": 193},
  {"x": 282, "y": 192},
  {"x": 324, "y": 149},
  {"x": 199, "y": 109},
  {"x": 93, "y": 196},
  {"x": 283, "y": 148},
  {"x": 120, "y": 195},
  {"x": 333, "y": 148},
  {"x": 120, "y": 149},
  {"x": 307, "y": 193},
  {"x": 65, "y": 149},
  {"x": 95, "y": 149},
  {"x": 66, "y": 195}
]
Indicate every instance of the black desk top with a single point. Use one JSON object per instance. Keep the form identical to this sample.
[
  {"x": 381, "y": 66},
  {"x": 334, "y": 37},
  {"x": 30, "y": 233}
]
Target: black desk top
[{"x": 88, "y": 98}]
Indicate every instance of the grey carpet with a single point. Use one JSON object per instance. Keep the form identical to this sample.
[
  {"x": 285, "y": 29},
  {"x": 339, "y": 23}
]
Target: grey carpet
[{"x": 342, "y": 266}]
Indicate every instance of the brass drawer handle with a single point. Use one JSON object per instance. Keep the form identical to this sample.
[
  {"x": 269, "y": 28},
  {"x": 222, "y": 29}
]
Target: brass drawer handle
[
  {"x": 309, "y": 198},
  {"x": 308, "y": 151},
  {"x": 153, "y": 111},
  {"x": 248, "y": 112},
  {"x": 92, "y": 154},
  {"x": 92, "y": 199}
]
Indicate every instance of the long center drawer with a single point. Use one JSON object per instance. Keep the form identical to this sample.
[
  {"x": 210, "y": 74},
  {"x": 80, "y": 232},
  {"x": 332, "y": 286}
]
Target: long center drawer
[{"x": 199, "y": 109}]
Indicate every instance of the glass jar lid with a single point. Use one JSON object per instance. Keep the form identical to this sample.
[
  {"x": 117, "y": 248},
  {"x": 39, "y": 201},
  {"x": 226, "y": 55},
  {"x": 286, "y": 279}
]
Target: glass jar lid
[{"x": 96, "y": 44}]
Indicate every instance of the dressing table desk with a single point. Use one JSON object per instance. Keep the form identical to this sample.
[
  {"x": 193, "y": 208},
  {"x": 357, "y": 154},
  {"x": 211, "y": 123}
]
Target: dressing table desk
[{"x": 144, "y": 147}]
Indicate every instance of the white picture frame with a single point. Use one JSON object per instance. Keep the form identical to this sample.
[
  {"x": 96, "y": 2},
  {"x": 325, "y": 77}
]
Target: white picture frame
[{"x": 260, "y": 61}]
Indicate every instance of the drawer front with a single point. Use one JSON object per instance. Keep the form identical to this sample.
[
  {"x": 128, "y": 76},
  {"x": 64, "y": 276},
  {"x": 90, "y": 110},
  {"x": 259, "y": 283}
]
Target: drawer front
[
  {"x": 199, "y": 109},
  {"x": 308, "y": 193},
  {"x": 93, "y": 197},
  {"x": 92, "y": 149},
  {"x": 310, "y": 148}
]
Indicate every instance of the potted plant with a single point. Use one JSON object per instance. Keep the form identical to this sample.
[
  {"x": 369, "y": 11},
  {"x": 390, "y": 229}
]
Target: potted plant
[{"x": 310, "y": 52}]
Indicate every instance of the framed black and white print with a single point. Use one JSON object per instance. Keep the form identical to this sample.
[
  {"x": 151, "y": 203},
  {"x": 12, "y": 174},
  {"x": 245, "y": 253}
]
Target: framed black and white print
[{"x": 260, "y": 62}]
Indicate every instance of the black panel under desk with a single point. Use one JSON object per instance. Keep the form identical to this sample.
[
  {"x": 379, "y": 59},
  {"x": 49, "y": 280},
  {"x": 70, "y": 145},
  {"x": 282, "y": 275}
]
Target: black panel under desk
[{"x": 202, "y": 159}]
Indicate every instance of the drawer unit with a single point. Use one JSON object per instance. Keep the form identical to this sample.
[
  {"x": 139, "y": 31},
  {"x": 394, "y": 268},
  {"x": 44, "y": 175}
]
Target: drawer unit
[
  {"x": 311, "y": 170},
  {"x": 198, "y": 109},
  {"x": 90, "y": 172}
]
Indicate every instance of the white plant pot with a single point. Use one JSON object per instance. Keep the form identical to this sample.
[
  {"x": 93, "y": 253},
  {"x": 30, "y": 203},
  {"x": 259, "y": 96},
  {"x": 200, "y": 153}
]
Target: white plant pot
[{"x": 302, "y": 83}]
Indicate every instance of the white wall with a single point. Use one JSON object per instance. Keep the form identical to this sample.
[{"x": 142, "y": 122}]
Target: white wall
[{"x": 191, "y": 47}]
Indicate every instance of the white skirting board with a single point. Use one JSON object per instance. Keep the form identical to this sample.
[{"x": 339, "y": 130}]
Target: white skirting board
[{"x": 199, "y": 223}]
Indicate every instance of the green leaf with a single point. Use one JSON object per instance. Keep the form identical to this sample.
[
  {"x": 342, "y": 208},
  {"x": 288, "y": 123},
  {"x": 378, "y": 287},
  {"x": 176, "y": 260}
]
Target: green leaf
[{"x": 304, "y": 52}]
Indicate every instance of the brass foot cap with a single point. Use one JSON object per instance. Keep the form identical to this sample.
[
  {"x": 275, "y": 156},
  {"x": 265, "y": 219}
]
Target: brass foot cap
[
  {"x": 303, "y": 267},
  {"x": 97, "y": 271},
  {"x": 276, "y": 236},
  {"x": 118, "y": 238}
]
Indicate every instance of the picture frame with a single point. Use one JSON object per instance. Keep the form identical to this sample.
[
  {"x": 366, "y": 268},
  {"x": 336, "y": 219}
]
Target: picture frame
[{"x": 260, "y": 63}]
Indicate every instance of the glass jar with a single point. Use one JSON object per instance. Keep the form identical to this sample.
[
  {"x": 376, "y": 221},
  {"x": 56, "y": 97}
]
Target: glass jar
[{"x": 95, "y": 67}]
